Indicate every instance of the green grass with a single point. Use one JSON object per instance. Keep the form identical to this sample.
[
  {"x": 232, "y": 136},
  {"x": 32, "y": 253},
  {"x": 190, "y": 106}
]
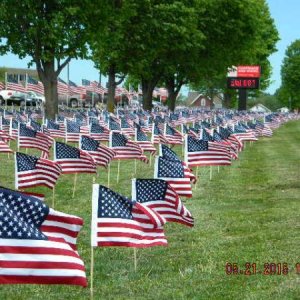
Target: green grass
[{"x": 248, "y": 212}]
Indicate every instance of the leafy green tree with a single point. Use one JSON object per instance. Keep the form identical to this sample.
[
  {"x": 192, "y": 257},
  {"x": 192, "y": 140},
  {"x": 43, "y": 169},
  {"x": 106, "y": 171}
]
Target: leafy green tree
[
  {"x": 290, "y": 75},
  {"x": 50, "y": 31},
  {"x": 237, "y": 33}
]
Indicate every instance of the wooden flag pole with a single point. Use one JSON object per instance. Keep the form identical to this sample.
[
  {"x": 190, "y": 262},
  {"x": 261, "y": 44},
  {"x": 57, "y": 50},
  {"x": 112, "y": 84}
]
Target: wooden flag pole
[
  {"x": 150, "y": 160},
  {"x": 135, "y": 259},
  {"x": 135, "y": 166},
  {"x": 218, "y": 169},
  {"x": 74, "y": 187},
  {"x": 108, "y": 176},
  {"x": 92, "y": 272},
  {"x": 196, "y": 177},
  {"x": 53, "y": 196},
  {"x": 118, "y": 175},
  {"x": 210, "y": 173}
]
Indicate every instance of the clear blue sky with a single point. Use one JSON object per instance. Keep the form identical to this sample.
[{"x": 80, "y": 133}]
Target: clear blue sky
[{"x": 286, "y": 14}]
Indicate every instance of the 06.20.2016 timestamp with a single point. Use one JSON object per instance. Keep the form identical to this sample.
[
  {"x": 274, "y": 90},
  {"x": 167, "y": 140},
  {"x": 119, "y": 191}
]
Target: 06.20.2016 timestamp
[{"x": 266, "y": 269}]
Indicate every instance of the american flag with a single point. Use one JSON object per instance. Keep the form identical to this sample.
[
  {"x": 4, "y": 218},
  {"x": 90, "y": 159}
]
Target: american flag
[
  {"x": 36, "y": 243},
  {"x": 72, "y": 131},
  {"x": 62, "y": 87},
  {"x": 99, "y": 132},
  {"x": 14, "y": 129},
  {"x": 162, "y": 198},
  {"x": 157, "y": 135},
  {"x": 4, "y": 147},
  {"x": 199, "y": 153},
  {"x": 124, "y": 148},
  {"x": 12, "y": 84},
  {"x": 4, "y": 124},
  {"x": 176, "y": 174},
  {"x": 73, "y": 160},
  {"x": 32, "y": 171},
  {"x": 34, "y": 85},
  {"x": 35, "y": 125},
  {"x": 101, "y": 154},
  {"x": 126, "y": 128},
  {"x": 173, "y": 136},
  {"x": 29, "y": 138},
  {"x": 55, "y": 129},
  {"x": 142, "y": 139},
  {"x": 117, "y": 221},
  {"x": 113, "y": 125},
  {"x": 244, "y": 135}
]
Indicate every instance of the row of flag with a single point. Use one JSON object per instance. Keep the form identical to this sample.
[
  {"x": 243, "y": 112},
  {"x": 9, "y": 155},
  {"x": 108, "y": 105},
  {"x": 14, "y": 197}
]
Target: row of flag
[{"x": 38, "y": 244}]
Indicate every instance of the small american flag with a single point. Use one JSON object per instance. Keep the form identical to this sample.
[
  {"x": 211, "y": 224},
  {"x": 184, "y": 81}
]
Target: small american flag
[
  {"x": 72, "y": 131},
  {"x": 126, "y": 128},
  {"x": 173, "y": 136},
  {"x": 4, "y": 148},
  {"x": 162, "y": 198},
  {"x": 73, "y": 160},
  {"x": 157, "y": 135},
  {"x": 176, "y": 174},
  {"x": 29, "y": 138},
  {"x": 199, "y": 153},
  {"x": 32, "y": 171},
  {"x": 37, "y": 243},
  {"x": 99, "y": 132},
  {"x": 143, "y": 141},
  {"x": 34, "y": 85},
  {"x": 117, "y": 221},
  {"x": 101, "y": 154},
  {"x": 13, "y": 84},
  {"x": 124, "y": 148},
  {"x": 113, "y": 125},
  {"x": 55, "y": 129}
]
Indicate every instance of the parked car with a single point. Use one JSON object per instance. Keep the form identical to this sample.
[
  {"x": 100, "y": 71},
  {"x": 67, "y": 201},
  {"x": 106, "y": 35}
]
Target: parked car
[
  {"x": 36, "y": 97},
  {"x": 9, "y": 97},
  {"x": 76, "y": 100}
]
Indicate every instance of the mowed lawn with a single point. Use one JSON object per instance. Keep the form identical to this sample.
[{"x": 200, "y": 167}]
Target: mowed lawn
[{"x": 247, "y": 213}]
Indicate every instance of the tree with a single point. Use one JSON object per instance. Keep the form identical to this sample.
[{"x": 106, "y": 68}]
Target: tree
[
  {"x": 237, "y": 33},
  {"x": 290, "y": 76},
  {"x": 50, "y": 31}
]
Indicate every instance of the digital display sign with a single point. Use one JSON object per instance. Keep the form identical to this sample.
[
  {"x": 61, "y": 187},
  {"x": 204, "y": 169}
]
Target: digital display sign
[{"x": 242, "y": 83}]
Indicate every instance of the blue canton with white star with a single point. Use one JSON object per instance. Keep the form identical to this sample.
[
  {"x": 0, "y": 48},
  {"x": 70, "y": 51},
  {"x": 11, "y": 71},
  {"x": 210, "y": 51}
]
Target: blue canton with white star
[
  {"x": 113, "y": 205},
  {"x": 150, "y": 189},
  {"x": 89, "y": 144},
  {"x": 25, "y": 131},
  {"x": 21, "y": 216},
  {"x": 25, "y": 162},
  {"x": 168, "y": 153},
  {"x": 96, "y": 128},
  {"x": 170, "y": 168},
  {"x": 118, "y": 140},
  {"x": 196, "y": 145},
  {"x": 52, "y": 125},
  {"x": 66, "y": 151},
  {"x": 73, "y": 127}
]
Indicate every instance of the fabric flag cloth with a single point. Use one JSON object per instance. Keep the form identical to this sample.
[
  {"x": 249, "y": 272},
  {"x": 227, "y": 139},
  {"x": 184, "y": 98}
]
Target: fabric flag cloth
[
  {"x": 162, "y": 198},
  {"x": 126, "y": 149},
  {"x": 176, "y": 174},
  {"x": 37, "y": 242},
  {"x": 167, "y": 153},
  {"x": 99, "y": 132},
  {"x": 142, "y": 139},
  {"x": 118, "y": 221},
  {"x": 102, "y": 155},
  {"x": 32, "y": 171},
  {"x": 199, "y": 153},
  {"x": 13, "y": 84},
  {"x": 4, "y": 148},
  {"x": 55, "y": 130},
  {"x": 126, "y": 128},
  {"x": 72, "y": 131},
  {"x": 73, "y": 160},
  {"x": 173, "y": 136},
  {"x": 34, "y": 85},
  {"x": 29, "y": 138},
  {"x": 157, "y": 135}
]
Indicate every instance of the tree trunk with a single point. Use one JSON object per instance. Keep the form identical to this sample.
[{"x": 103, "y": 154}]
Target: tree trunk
[
  {"x": 48, "y": 77},
  {"x": 227, "y": 100},
  {"x": 147, "y": 87},
  {"x": 242, "y": 99},
  {"x": 111, "y": 89},
  {"x": 173, "y": 91}
]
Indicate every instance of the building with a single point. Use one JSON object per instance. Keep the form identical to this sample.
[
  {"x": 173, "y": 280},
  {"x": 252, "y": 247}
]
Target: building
[{"x": 260, "y": 108}]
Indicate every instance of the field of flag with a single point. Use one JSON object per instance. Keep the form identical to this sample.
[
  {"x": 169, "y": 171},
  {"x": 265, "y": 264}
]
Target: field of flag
[{"x": 152, "y": 174}]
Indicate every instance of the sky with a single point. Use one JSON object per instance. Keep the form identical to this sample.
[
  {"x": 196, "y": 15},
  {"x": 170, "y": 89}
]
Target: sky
[{"x": 287, "y": 21}]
